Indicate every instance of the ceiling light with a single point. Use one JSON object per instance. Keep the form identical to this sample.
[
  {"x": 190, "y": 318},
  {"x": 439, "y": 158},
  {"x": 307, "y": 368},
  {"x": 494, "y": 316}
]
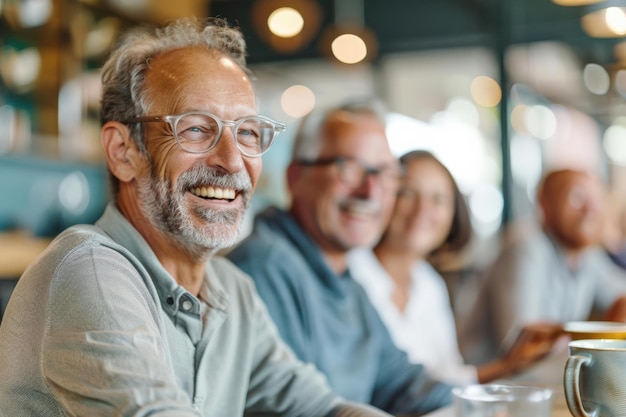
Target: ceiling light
[
  {"x": 606, "y": 19},
  {"x": 596, "y": 79},
  {"x": 348, "y": 40},
  {"x": 297, "y": 101},
  {"x": 349, "y": 48},
  {"x": 486, "y": 91},
  {"x": 349, "y": 44},
  {"x": 285, "y": 22},
  {"x": 286, "y": 25}
]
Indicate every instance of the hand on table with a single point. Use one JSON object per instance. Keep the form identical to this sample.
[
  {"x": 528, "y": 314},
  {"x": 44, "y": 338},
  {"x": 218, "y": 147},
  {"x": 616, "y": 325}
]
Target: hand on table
[{"x": 534, "y": 342}]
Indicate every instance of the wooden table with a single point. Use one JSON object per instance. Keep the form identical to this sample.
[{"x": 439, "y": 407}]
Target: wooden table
[
  {"x": 547, "y": 373},
  {"x": 559, "y": 408},
  {"x": 17, "y": 250}
]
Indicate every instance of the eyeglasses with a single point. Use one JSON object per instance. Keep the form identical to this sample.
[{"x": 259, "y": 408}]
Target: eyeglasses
[
  {"x": 354, "y": 173},
  {"x": 199, "y": 132}
]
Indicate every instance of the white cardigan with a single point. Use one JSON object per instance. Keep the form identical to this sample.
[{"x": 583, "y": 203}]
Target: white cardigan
[{"x": 426, "y": 330}]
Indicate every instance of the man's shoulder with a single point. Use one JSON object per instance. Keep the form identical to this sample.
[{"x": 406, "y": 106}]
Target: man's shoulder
[
  {"x": 77, "y": 247},
  {"x": 263, "y": 256},
  {"x": 527, "y": 252},
  {"x": 271, "y": 259},
  {"x": 232, "y": 279},
  {"x": 74, "y": 238},
  {"x": 264, "y": 244},
  {"x": 522, "y": 246}
]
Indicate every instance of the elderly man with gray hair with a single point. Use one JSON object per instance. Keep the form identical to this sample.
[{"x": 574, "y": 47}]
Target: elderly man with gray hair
[
  {"x": 135, "y": 316},
  {"x": 343, "y": 180}
]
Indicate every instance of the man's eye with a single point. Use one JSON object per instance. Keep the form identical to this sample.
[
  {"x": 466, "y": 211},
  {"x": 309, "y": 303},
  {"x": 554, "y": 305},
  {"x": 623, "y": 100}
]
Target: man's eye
[{"x": 248, "y": 132}]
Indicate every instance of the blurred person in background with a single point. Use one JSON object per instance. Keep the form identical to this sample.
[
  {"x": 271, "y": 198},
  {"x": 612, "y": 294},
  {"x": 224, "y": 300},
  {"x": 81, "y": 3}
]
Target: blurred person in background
[
  {"x": 430, "y": 218},
  {"x": 134, "y": 315},
  {"x": 343, "y": 180},
  {"x": 549, "y": 276},
  {"x": 614, "y": 240}
]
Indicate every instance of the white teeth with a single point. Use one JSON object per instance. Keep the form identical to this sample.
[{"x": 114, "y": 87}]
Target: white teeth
[
  {"x": 212, "y": 192},
  {"x": 361, "y": 208},
  {"x": 356, "y": 211}
]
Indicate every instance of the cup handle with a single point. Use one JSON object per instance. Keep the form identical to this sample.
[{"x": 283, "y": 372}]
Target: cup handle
[{"x": 571, "y": 383}]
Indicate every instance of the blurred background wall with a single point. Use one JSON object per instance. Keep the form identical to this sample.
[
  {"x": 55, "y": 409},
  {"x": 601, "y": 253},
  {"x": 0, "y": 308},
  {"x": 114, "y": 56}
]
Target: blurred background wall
[{"x": 500, "y": 90}]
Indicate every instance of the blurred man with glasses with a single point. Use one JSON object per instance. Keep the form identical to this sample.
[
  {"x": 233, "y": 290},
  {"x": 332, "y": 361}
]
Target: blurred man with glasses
[
  {"x": 134, "y": 315},
  {"x": 343, "y": 180}
]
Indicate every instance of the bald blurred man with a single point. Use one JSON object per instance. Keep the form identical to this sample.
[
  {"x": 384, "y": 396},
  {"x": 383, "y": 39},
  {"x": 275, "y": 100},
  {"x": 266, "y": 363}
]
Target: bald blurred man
[{"x": 555, "y": 275}]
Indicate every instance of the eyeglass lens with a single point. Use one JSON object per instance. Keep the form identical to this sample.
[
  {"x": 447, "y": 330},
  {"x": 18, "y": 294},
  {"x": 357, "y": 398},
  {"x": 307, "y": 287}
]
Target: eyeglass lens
[
  {"x": 198, "y": 133},
  {"x": 354, "y": 173}
]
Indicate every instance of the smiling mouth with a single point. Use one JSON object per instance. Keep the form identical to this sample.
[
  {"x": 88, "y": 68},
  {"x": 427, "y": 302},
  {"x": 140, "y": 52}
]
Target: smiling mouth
[
  {"x": 214, "y": 193},
  {"x": 354, "y": 211},
  {"x": 359, "y": 209}
]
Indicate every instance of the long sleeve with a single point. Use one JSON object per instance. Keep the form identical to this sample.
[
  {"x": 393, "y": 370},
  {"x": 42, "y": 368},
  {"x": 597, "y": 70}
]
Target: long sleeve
[
  {"x": 94, "y": 330},
  {"x": 513, "y": 292},
  {"x": 283, "y": 299},
  {"x": 403, "y": 387},
  {"x": 281, "y": 385},
  {"x": 327, "y": 320},
  {"x": 103, "y": 351}
]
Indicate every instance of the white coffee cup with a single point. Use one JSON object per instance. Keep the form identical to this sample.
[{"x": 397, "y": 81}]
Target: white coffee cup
[
  {"x": 595, "y": 330},
  {"x": 493, "y": 400},
  {"x": 595, "y": 378}
]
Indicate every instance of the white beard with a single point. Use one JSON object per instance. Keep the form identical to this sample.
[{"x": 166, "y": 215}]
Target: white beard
[{"x": 197, "y": 230}]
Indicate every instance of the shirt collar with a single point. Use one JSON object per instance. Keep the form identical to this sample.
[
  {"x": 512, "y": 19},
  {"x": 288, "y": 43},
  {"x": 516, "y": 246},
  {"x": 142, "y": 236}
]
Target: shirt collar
[{"x": 171, "y": 294}]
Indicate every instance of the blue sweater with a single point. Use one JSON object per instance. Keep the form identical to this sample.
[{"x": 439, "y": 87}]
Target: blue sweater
[{"x": 328, "y": 320}]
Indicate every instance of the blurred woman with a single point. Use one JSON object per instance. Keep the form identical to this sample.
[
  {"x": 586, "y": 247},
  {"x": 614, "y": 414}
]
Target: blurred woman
[{"x": 430, "y": 217}]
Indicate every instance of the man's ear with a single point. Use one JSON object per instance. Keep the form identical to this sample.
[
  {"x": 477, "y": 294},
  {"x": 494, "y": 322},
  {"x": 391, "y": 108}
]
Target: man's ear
[{"x": 121, "y": 152}]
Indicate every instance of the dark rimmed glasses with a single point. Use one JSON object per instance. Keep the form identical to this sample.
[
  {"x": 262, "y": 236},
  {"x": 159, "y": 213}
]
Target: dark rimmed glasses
[
  {"x": 199, "y": 132},
  {"x": 354, "y": 173}
]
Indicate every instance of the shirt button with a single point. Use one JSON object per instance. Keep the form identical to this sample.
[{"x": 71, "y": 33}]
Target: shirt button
[{"x": 187, "y": 305}]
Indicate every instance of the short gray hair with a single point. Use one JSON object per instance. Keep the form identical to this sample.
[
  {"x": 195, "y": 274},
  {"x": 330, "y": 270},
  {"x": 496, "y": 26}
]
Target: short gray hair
[
  {"x": 307, "y": 144},
  {"x": 124, "y": 72}
]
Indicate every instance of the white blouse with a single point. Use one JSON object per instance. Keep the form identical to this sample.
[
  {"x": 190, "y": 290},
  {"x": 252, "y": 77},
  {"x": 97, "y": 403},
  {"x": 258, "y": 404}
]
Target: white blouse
[{"x": 426, "y": 330}]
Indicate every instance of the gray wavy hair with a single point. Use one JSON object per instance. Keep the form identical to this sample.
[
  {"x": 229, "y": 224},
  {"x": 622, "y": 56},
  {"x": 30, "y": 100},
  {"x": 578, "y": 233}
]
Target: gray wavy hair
[
  {"x": 124, "y": 72},
  {"x": 307, "y": 143}
]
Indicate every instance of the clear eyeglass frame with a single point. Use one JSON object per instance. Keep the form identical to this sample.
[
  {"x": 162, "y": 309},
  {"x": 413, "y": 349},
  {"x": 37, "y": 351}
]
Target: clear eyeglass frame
[{"x": 270, "y": 128}]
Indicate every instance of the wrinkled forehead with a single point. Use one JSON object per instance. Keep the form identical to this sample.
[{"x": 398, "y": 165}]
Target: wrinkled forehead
[{"x": 195, "y": 74}]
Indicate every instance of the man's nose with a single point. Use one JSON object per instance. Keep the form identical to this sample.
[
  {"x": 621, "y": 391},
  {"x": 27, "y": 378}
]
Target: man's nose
[{"x": 226, "y": 153}]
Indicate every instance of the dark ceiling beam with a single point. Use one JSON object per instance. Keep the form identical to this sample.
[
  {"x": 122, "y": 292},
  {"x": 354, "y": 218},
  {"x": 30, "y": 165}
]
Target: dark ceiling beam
[{"x": 413, "y": 25}]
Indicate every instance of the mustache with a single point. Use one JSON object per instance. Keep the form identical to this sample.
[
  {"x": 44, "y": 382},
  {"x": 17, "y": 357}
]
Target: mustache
[
  {"x": 201, "y": 175},
  {"x": 360, "y": 204}
]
